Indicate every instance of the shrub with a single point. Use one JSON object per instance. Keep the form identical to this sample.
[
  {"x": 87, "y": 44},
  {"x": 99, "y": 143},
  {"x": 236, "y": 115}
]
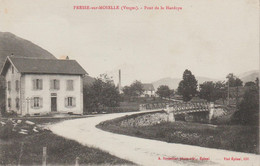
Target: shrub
[
  {"x": 6, "y": 130},
  {"x": 2, "y": 109},
  {"x": 248, "y": 108},
  {"x": 9, "y": 114}
]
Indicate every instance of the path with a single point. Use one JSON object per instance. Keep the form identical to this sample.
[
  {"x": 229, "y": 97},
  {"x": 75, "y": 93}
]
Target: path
[{"x": 143, "y": 151}]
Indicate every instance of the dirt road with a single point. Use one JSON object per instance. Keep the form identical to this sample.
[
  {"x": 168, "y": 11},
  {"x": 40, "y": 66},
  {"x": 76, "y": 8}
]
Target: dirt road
[{"x": 145, "y": 151}]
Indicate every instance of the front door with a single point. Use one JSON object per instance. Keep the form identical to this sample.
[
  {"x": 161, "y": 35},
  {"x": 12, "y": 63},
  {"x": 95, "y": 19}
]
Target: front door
[{"x": 53, "y": 104}]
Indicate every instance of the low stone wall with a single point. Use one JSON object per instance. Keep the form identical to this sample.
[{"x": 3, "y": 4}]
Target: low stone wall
[{"x": 145, "y": 120}]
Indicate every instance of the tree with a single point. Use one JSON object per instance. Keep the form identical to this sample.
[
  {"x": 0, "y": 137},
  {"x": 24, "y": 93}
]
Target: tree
[
  {"x": 134, "y": 90},
  {"x": 188, "y": 86},
  {"x": 250, "y": 83},
  {"x": 127, "y": 91},
  {"x": 234, "y": 81},
  {"x": 248, "y": 112},
  {"x": 102, "y": 93},
  {"x": 257, "y": 82},
  {"x": 211, "y": 91},
  {"x": 137, "y": 88},
  {"x": 164, "y": 91}
]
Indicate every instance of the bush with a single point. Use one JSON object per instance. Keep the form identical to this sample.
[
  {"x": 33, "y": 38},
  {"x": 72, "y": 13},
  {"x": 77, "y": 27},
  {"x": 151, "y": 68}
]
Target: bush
[
  {"x": 6, "y": 130},
  {"x": 9, "y": 114},
  {"x": 2, "y": 109},
  {"x": 248, "y": 113}
]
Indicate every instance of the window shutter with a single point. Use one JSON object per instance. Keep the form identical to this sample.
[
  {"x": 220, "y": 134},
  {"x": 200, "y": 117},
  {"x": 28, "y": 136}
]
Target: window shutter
[
  {"x": 73, "y": 101},
  {"x": 41, "y": 100},
  {"x": 32, "y": 102},
  {"x": 72, "y": 87},
  {"x": 34, "y": 84},
  {"x": 58, "y": 84},
  {"x": 68, "y": 86},
  {"x": 17, "y": 85},
  {"x": 40, "y": 84},
  {"x": 66, "y": 102},
  {"x": 51, "y": 84}
]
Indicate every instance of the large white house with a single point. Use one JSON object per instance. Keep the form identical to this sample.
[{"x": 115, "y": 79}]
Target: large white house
[{"x": 41, "y": 86}]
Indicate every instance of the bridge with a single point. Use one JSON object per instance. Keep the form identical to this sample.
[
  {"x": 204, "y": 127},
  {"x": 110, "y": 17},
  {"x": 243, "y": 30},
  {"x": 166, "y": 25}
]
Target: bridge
[{"x": 176, "y": 108}]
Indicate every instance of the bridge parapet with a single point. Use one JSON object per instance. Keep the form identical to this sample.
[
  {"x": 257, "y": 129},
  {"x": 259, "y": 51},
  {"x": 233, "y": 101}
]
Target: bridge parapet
[
  {"x": 188, "y": 107},
  {"x": 159, "y": 105}
]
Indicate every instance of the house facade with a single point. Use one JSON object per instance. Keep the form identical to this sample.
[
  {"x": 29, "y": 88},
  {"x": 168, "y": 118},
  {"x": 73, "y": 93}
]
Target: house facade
[
  {"x": 43, "y": 86},
  {"x": 149, "y": 90}
]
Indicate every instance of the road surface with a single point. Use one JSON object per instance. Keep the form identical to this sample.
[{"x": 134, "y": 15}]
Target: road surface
[{"x": 145, "y": 151}]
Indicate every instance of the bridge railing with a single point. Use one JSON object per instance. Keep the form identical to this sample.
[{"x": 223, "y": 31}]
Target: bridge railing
[
  {"x": 182, "y": 107},
  {"x": 178, "y": 106},
  {"x": 151, "y": 106}
]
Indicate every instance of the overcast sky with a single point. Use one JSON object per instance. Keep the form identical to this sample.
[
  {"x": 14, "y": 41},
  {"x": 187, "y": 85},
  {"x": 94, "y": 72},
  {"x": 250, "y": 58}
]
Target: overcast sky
[{"x": 211, "y": 38}]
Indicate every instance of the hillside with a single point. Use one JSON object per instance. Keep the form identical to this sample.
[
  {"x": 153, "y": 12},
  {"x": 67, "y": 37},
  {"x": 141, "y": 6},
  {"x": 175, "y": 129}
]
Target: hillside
[
  {"x": 87, "y": 80},
  {"x": 12, "y": 44},
  {"x": 249, "y": 76},
  {"x": 174, "y": 82}
]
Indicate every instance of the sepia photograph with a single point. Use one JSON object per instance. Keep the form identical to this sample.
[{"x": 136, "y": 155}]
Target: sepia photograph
[{"x": 130, "y": 82}]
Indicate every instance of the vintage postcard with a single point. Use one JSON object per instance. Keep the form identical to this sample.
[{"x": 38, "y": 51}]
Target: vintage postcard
[{"x": 129, "y": 82}]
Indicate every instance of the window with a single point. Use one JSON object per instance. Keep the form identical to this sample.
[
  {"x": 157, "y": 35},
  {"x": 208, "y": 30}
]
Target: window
[
  {"x": 17, "y": 85},
  {"x": 69, "y": 84},
  {"x": 70, "y": 102},
  {"x": 55, "y": 84},
  {"x": 9, "y": 85},
  {"x": 12, "y": 70},
  {"x": 17, "y": 104},
  {"x": 36, "y": 102},
  {"x": 37, "y": 84},
  {"x": 9, "y": 102}
]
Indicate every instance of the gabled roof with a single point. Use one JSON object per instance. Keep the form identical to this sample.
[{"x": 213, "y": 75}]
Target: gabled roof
[
  {"x": 148, "y": 87},
  {"x": 43, "y": 66}
]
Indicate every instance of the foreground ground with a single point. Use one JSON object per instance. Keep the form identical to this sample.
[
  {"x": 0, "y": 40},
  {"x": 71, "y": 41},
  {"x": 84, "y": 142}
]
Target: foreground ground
[
  {"x": 230, "y": 137},
  {"x": 27, "y": 149},
  {"x": 146, "y": 151}
]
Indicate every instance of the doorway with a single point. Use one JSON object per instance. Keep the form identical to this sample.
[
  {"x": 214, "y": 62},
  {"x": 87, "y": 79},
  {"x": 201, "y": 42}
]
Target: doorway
[{"x": 53, "y": 104}]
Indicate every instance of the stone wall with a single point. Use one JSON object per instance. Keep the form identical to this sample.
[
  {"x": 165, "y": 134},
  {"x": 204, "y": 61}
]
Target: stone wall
[{"x": 145, "y": 120}]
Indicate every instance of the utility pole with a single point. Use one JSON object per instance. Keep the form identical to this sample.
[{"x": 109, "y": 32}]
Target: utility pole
[{"x": 119, "y": 81}]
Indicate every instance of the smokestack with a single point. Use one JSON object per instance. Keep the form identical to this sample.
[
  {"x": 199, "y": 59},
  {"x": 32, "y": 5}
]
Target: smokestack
[{"x": 119, "y": 82}]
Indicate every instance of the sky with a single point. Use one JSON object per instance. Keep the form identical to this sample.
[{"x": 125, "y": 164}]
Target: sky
[{"x": 210, "y": 38}]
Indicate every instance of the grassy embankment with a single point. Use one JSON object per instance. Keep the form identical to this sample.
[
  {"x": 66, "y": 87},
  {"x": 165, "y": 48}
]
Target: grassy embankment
[
  {"x": 230, "y": 137},
  {"x": 60, "y": 151}
]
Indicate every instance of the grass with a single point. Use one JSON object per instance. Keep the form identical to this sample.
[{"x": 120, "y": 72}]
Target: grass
[
  {"x": 60, "y": 151},
  {"x": 230, "y": 137}
]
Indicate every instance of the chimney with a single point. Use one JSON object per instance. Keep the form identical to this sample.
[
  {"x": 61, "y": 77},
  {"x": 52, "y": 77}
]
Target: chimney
[{"x": 64, "y": 57}]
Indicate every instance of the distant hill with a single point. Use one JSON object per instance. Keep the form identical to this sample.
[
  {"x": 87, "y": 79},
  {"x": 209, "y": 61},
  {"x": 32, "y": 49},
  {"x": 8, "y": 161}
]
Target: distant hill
[
  {"x": 174, "y": 82},
  {"x": 249, "y": 76},
  {"x": 87, "y": 80},
  {"x": 171, "y": 82},
  {"x": 11, "y": 44}
]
